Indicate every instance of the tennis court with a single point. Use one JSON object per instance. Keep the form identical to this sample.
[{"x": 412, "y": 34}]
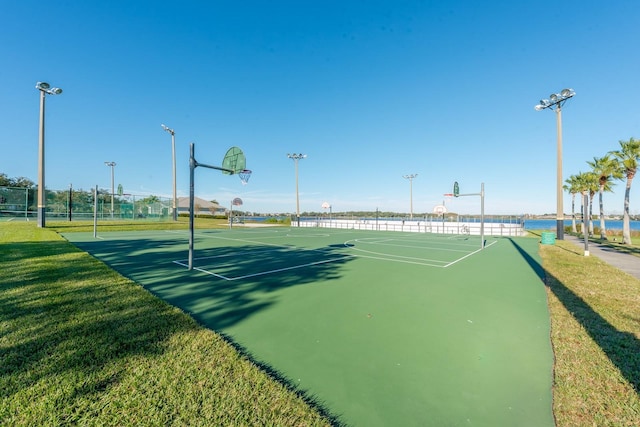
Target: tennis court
[{"x": 382, "y": 328}]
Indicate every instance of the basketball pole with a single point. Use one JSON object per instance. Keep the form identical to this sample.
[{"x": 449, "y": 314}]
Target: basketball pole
[
  {"x": 193, "y": 164},
  {"x": 481, "y": 194}
]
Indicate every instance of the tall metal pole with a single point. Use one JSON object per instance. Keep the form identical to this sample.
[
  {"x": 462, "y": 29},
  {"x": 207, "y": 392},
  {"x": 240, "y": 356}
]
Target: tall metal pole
[
  {"x": 112, "y": 188},
  {"x": 173, "y": 155},
  {"x": 410, "y": 178},
  {"x": 559, "y": 193},
  {"x": 482, "y": 215},
  {"x": 481, "y": 194},
  {"x": 41, "y": 195},
  {"x": 555, "y": 102},
  {"x": 45, "y": 89},
  {"x": 70, "y": 200},
  {"x": 297, "y": 196},
  {"x": 175, "y": 196},
  {"x": 95, "y": 212},
  {"x": 193, "y": 164},
  {"x": 192, "y": 167},
  {"x": 295, "y": 158},
  {"x": 112, "y": 165}
]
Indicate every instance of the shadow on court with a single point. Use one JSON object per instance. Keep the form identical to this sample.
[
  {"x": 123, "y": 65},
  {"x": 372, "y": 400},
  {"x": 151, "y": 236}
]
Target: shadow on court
[
  {"x": 228, "y": 283},
  {"x": 614, "y": 343}
]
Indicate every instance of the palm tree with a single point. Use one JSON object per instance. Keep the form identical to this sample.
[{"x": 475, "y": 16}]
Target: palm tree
[
  {"x": 628, "y": 157},
  {"x": 586, "y": 183},
  {"x": 607, "y": 168},
  {"x": 592, "y": 185},
  {"x": 571, "y": 187}
]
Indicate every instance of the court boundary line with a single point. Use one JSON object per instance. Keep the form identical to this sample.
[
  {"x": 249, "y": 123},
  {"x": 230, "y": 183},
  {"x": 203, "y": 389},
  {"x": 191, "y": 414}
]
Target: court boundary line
[
  {"x": 382, "y": 257},
  {"x": 407, "y": 260},
  {"x": 384, "y": 243},
  {"x": 263, "y": 273},
  {"x": 472, "y": 253}
]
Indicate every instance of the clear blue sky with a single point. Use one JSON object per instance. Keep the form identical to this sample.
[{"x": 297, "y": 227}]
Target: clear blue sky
[{"x": 368, "y": 90}]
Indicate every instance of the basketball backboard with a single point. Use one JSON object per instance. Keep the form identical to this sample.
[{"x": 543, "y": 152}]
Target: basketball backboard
[
  {"x": 439, "y": 209},
  {"x": 234, "y": 160}
]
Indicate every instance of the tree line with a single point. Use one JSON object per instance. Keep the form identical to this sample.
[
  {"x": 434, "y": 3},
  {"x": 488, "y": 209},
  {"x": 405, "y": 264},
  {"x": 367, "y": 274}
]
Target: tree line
[
  {"x": 19, "y": 182},
  {"x": 12, "y": 192},
  {"x": 620, "y": 164}
]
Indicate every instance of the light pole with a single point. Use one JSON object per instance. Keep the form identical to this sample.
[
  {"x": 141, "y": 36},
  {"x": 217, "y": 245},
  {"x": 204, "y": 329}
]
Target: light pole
[
  {"x": 295, "y": 158},
  {"x": 410, "y": 178},
  {"x": 44, "y": 88},
  {"x": 112, "y": 165},
  {"x": 555, "y": 102},
  {"x": 173, "y": 155}
]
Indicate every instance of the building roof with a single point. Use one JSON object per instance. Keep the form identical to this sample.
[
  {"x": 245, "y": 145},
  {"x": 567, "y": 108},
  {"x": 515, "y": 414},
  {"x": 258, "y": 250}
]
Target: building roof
[{"x": 183, "y": 202}]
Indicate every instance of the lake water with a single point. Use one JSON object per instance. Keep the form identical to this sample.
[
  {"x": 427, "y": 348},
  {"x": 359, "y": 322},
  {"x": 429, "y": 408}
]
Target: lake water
[{"x": 550, "y": 224}]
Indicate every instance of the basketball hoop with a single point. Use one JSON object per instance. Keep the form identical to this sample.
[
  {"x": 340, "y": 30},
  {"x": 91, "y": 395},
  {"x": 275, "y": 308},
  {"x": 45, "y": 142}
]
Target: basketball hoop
[
  {"x": 439, "y": 210},
  {"x": 244, "y": 176}
]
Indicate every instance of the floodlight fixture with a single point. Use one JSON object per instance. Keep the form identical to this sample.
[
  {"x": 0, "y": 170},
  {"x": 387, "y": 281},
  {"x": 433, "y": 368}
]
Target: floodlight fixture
[
  {"x": 555, "y": 99},
  {"x": 555, "y": 102},
  {"x": 46, "y": 88},
  {"x": 168, "y": 129}
]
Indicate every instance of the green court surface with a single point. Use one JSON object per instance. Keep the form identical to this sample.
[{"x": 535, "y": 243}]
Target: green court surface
[{"x": 382, "y": 328}]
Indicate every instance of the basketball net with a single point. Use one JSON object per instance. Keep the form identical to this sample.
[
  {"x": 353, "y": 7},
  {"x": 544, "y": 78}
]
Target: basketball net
[{"x": 244, "y": 176}]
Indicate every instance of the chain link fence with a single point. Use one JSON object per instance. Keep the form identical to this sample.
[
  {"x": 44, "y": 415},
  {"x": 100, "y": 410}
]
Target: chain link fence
[{"x": 78, "y": 205}]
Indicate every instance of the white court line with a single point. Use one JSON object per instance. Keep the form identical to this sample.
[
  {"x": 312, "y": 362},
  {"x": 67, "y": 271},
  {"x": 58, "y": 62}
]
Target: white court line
[
  {"x": 392, "y": 257},
  {"x": 411, "y": 260},
  {"x": 472, "y": 253},
  {"x": 378, "y": 256},
  {"x": 263, "y": 273},
  {"x": 310, "y": 236},
  {"x": 440, "y": 248},
  {"x": 260, "y": 242},
  {"x": 202, "y": 270},
  {"x": 404, "y": 261},
  {"x": 209, "y": 236},
  {"x": 287, "y": 247}
]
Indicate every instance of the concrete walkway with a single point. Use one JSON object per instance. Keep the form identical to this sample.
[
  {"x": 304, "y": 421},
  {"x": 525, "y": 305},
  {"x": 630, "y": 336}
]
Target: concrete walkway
[{"x": 625, "y": 262}]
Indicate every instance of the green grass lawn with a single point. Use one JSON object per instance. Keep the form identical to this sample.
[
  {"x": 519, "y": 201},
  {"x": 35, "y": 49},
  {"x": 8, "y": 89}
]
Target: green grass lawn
[
  {"x": 80, "y": 344},
  {"x": 595, "y": 332}
]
